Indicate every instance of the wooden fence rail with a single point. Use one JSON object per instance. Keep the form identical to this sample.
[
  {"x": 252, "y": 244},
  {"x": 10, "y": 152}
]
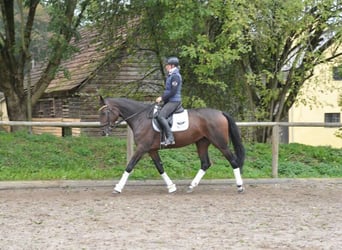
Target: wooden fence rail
[{"x": 275, "y": 132}]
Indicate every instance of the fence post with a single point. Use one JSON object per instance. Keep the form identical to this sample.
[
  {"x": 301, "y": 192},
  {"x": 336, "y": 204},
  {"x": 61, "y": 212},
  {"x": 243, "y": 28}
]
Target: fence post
[
  {"x": 130, "y": 143},
  {"x": 275, "y": 150}
]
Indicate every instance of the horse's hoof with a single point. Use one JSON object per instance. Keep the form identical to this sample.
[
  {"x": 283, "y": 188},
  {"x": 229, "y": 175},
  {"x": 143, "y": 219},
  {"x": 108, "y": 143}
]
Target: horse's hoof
[
  {"x": 116, "y": 190},
  {"x": 190, "y": 190},
  {"x": 172, "y": 188},
  {"x": 241, "y": 189}
]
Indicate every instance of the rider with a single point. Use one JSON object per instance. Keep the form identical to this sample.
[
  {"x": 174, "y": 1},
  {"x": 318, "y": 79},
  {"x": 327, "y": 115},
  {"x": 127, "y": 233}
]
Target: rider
[{"x": 171, "y": 97}]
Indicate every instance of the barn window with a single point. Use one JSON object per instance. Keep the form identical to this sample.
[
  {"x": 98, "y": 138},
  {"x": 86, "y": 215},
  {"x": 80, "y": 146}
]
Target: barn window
[
  {"x": 337, "y": 73},
  {"x": 45, "y": 108},
  {"x": 332, "y": 117}
]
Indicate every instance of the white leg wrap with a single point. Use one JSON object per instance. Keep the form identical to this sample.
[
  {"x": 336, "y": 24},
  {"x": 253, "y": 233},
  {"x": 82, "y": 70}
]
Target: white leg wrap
[
  {"x": 167, "y": 179},
  {"x": 170, "y": 185},
  {"x": 197, "y": 178},
  {"x": 237, "y": 175},
  {"x": 118, "y": 187}
]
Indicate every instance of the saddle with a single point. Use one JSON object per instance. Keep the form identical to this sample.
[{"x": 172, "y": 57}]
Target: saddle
[{"x": 178, "y": 121}]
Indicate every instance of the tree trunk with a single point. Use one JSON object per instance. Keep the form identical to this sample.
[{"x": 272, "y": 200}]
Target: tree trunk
[
  {"x": 17, "y": 110},
  {"x": 15, "y": 54}
]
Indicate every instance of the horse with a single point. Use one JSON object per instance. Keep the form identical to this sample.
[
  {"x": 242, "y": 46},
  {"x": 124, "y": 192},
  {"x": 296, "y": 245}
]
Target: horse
[{"x": 206, "y": 126}]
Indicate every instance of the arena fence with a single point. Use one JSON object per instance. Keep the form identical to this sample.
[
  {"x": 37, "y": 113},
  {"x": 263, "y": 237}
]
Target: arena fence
[{"x": 130, "y": 144}]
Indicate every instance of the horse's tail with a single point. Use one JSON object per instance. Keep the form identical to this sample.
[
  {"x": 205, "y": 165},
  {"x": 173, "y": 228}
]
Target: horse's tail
[{"x": 234, "y": 134}]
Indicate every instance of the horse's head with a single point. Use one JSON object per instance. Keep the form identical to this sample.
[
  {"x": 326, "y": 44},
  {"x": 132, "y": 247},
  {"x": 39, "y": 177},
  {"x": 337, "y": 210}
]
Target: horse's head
[{"x": 108, "y": 114}]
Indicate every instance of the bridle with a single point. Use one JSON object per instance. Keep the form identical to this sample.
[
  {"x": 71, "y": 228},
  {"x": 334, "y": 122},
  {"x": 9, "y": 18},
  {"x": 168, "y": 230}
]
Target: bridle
[{"x": 109, "y": 125}]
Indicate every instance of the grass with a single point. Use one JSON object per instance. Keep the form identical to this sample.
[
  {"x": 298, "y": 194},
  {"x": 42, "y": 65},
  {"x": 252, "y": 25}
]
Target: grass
[{"x": 46, "y": 157}]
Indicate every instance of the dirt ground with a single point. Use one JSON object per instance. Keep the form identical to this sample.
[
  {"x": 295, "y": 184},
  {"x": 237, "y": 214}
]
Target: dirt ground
[{"x": 300, "y": 214}]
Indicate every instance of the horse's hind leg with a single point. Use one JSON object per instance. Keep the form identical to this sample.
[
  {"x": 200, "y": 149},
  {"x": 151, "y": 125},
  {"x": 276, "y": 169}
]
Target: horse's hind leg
[
  {"x": 236, "y": 170},
  {"x": 159, "y": 165},
  {"x": 202, "y": 150}
]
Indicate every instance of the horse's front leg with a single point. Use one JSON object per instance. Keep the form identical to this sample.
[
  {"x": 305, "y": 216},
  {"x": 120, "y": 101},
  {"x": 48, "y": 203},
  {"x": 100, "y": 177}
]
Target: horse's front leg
[
  {"x": 134, "y": 160},
  {"x": 159, "y": 165}
]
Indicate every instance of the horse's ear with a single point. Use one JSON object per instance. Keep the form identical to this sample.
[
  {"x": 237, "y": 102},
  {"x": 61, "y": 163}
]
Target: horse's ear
[{"x": 102, "y": 102}]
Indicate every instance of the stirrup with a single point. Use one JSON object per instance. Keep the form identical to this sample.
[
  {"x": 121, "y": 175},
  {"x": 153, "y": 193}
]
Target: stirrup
[{"x": 167, "y": 142}]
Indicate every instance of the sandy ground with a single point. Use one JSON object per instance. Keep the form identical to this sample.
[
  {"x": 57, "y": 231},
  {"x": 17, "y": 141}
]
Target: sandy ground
[{"x": 300, "y": 214}]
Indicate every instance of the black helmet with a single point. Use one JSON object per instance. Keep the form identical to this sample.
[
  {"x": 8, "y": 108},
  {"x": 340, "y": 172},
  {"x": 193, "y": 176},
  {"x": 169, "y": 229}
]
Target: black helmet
[{"x": 173, "y": 61}]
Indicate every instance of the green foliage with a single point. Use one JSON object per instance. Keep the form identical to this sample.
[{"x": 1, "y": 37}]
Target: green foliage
[
  {"x": 46, "y": 157},
  {"x": 316, "y": 162},
  {"x": 239, "y": 56}
]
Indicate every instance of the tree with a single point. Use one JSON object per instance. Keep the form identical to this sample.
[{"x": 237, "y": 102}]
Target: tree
[
  {"x": 291, "y": 39},
  {"x": 276, "y": 44},
  {"x": 16, "y": 47},
  {"x": 164, "y": 27},
  {"x": 251, "y": 57}
]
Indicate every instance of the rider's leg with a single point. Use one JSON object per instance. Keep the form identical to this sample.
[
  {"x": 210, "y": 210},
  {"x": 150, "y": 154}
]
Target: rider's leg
[
  {"x": 166, "y": 128},
  {"x": 164, "y": 113}
]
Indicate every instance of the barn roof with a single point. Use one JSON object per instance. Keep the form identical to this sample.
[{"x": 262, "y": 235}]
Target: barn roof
[
  {"x": 81, "y": 66},
  {"x": 141, "y": 68}
]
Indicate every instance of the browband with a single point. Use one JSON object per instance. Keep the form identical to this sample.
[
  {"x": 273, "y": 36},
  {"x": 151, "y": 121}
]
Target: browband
[{"x": 104, "y": 106}]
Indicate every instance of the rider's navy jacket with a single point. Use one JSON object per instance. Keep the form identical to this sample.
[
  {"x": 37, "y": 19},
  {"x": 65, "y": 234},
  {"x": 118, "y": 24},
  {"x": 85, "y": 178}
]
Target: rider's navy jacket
[{"x": 173, "y": 87}]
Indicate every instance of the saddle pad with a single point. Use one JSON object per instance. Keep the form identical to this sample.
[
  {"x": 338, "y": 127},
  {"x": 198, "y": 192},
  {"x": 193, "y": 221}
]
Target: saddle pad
[{"x": 180, "y": 122}]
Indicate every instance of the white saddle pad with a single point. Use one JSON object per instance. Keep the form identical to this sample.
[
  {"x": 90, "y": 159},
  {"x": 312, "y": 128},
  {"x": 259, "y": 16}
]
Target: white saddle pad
[{"x": 180, "y": 122}]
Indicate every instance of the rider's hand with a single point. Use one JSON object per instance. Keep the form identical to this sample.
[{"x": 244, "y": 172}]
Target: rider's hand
[{"x": 159, "y": 99}]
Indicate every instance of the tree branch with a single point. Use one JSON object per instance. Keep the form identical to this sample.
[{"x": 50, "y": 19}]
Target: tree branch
[{"x": 66, "y": 31}]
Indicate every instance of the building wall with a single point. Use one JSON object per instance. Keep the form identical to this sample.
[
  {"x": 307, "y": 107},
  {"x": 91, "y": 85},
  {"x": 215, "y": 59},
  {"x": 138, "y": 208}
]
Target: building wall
[
  {"x": 136, "y": 77},
  {"x": 3, "y": 113},
  {"x": 319, "y": 96},
  {"x": 133, "y": 76},
  {"x": 57, "y": 131}
]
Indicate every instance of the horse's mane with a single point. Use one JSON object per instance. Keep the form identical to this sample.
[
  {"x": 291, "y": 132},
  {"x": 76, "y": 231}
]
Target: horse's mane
[{"x": 129, "y": 102}]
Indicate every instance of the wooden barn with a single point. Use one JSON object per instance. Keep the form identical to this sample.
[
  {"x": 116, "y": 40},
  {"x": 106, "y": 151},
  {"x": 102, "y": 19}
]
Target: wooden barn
[{"x": 74, "y": 94}]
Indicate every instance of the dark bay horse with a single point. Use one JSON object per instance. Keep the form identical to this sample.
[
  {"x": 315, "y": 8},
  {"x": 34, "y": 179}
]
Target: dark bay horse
[{"x": 206, "y": 126}]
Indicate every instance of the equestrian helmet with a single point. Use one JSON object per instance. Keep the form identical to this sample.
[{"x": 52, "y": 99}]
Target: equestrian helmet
[{"x": 173, "y": 61}]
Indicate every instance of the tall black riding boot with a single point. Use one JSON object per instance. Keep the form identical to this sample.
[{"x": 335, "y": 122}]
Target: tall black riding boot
[{"x": 169, "y": 136}]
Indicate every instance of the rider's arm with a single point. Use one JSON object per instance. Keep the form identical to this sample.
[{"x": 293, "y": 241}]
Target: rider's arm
[{"x": 175, "y": 81}]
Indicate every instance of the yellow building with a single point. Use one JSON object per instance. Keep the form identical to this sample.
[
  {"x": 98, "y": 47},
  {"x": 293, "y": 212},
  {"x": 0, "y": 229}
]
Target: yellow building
[{"x": 318, "y": 102}]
